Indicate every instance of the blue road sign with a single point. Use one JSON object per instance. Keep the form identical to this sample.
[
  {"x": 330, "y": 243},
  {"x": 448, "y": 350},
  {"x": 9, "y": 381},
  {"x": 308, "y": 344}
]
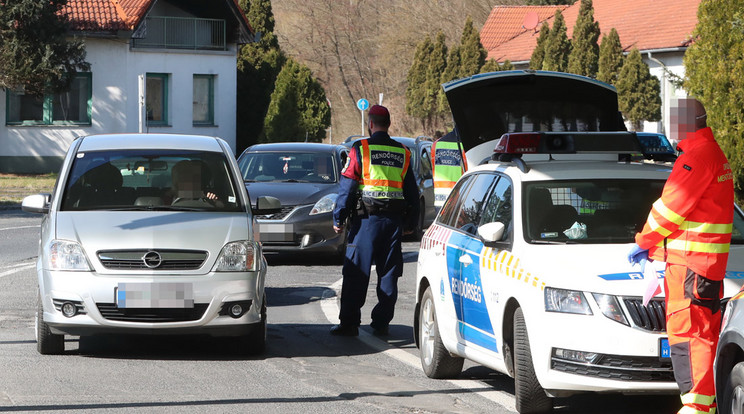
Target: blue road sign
[{"x": 362, "y": 104}]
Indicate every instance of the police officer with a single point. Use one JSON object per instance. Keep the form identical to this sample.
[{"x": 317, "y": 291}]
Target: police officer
[
  {"x": 689, "y": 228},
  {"x": 449, "y": 162},
  {"x": 378, "y": 192}
]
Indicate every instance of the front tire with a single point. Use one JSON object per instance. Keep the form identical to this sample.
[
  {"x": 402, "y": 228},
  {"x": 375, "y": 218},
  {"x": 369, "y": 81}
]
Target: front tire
[
  {"x": 255, "y": 342},
  {"x": 436, "y": 361},
  {"x": 732, "y": 397},
  {"x": 47, "y": 343},
  {"x": 530, "y": 396}
]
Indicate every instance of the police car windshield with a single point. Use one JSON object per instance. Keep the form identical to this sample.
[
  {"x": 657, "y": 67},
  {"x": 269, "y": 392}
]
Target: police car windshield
[{"x": 587, "y": 211}]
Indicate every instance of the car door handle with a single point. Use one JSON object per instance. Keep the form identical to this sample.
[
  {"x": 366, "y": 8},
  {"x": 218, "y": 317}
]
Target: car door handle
[{"x": 466, "y": 260}]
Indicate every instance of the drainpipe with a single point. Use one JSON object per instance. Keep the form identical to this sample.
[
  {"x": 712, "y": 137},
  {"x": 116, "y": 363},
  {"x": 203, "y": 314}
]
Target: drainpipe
[{"x": 662, "y": 125}]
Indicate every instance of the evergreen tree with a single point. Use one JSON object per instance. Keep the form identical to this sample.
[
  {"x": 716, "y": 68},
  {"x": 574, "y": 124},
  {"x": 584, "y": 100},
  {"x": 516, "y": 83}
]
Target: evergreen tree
[
  {"x": 416, "y": 96},
  {"x": 584, "y": 54},
  {"x": 538, "y": 53},
  {"x": 434, "y": 72},
  {"x": 472, "y": 52},
  {"x": 714, "y": 70},
  {"x": 610, "y": 58},
  {"x": 493, "y": 66},
  {"x": 557, "y": 47},
  {"x": 638, "y": 92},
  {"x": 258, "y": 66},
  {"x": 35, "y": 53},
  {"x": 451, "y": 72},
  {"x": 298, "y": 108}
]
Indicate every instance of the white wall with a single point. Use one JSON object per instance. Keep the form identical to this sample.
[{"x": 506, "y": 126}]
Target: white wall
[
  {"x": 670, "y": 62},
  {"x": 115, "y": 69}
]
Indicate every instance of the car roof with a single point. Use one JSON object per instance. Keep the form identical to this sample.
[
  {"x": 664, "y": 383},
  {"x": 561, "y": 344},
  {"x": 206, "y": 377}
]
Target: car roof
[
  {"x": 294, "y": 146},
  {"x": 149, "y": 141}
]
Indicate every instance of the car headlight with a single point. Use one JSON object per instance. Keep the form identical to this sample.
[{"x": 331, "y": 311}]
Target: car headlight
[
  {"x": 566, "y": 301},
  {"x": 239, "y": 256},
  {"x": 610, "y": 307},
  {"x": 66, "y": 255},
  {"x": 325, "y": 204}
]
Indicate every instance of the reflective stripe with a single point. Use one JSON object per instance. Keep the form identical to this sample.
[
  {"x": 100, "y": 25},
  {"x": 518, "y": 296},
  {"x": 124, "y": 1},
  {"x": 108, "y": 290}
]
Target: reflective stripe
[
  {"x": 691, "y": 246},
  {"x": 384, "y": 183},
  {"x": 655, "y": 226},
  {"x": 700, "y": 399},
  {"x": 667, "y": 213},
  {"x": 444, "y": 184},
  {"x": 707, "y": 227},
  {"x": 689, "y": 410}
]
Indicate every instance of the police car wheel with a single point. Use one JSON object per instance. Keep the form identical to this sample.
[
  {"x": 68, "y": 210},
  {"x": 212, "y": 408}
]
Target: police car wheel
[
  {"x": 436, "y": 361},
  {"x": 530, "y": 396},
  {"x": 47, "y": 343},
  {"x": 732, "y": 399}
]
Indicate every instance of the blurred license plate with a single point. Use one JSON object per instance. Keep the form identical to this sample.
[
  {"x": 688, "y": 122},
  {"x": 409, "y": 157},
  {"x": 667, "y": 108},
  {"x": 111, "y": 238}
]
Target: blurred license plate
[
  {"x": 665, "y": 352},
  {"x": 155, "y": 295},
  {"x": 276, "y": 232}
]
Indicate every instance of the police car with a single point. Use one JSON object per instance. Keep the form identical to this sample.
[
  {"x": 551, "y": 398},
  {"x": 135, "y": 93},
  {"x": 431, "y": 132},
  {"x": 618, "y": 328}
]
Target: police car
[{"x": 525, "y": 269}]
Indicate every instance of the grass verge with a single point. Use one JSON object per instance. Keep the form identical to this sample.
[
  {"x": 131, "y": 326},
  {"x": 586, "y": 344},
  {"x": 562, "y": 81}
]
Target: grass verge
[{"x": 14, "y": 187}]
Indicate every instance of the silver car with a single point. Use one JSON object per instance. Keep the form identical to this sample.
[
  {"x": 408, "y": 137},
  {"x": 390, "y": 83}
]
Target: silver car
[{"x": 149, "y": 234}]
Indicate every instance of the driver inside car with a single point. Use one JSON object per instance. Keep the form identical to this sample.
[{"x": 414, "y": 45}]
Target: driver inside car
[{"x": 189, "y": 179}]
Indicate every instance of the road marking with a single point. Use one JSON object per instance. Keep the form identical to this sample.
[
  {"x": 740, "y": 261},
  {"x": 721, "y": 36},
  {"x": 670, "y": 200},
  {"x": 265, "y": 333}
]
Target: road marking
[
  {"x": 21, "y": 227},
  {"x": 330, "y": 307},
  {"x": 17, "y": 268}
]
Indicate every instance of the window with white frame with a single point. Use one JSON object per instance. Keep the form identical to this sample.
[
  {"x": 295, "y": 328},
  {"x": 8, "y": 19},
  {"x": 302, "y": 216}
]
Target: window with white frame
[
  {"x": 157, "y": 99},
  {"x": 203, "y": 102},
  {"x": 73, "y": 107}
]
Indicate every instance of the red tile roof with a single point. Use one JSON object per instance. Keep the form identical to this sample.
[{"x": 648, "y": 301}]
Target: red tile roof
[
  {"x": 105, "y": 15},
  {"x": 644, "y": 24}
]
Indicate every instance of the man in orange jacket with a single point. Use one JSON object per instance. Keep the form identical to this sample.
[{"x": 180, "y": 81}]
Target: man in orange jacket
[{"x": 689, "y": 228}]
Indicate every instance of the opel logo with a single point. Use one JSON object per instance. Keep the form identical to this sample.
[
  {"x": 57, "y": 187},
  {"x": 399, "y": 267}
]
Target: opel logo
[{"x": 152, "y": 259}]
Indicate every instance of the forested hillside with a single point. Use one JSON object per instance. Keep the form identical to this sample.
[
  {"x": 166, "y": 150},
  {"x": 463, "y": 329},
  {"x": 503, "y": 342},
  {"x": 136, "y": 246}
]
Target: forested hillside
[{"x": 362, "y": 48}]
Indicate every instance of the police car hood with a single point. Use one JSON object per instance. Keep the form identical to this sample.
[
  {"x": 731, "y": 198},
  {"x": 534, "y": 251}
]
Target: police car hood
[
  {"x": 605, "y": 268},
  {"x": 487, "y": 105}
]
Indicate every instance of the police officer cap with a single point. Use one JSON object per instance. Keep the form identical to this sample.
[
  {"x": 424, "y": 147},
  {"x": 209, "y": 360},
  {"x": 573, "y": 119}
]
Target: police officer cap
[{"x": 379, "y": 110}]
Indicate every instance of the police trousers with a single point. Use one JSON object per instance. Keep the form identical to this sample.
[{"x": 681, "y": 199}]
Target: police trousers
[
  {"x": 372, "y": 239},
  {"x": 693, "y": 309}
]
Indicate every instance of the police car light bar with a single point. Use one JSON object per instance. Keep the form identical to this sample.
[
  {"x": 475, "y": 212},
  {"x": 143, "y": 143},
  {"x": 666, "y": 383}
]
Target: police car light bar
[{"x": 651, "y": 147}]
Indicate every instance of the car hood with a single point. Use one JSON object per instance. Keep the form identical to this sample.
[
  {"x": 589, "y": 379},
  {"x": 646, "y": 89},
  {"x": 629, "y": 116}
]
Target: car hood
[
  {"x": 291, "y": 194},
  {"x": 113, "y": 230},
  {"x": 605, "y": 269},
  {"x": 486, "y": 106}
]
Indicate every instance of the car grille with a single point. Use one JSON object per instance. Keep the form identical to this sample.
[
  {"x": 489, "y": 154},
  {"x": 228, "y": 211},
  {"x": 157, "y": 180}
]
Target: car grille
[
  {"x": 148, "y": 259},
  {"x": 277, "y": 216},
  {"x": 651, "y": 317},
  {"x": 620, "y": 368},
  {"x": 152, "y": 315}
]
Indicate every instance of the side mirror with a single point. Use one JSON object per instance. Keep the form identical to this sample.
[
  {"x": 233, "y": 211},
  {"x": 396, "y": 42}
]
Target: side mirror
[
  {"x": 37, "y": 203},
  {"x": 492, "y": 232},
  {"x": 267, "y": 205}
]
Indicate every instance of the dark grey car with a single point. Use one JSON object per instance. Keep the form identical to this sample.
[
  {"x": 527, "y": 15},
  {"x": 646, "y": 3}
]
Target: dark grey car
[{"x": 305, "y": 178}]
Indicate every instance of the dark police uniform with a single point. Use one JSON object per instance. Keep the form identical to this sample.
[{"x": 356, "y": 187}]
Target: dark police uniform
[{"x": 380, "y": 196}]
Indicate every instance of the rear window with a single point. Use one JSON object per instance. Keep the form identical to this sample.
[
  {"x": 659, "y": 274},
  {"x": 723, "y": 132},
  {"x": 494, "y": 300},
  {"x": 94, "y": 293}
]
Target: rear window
[
  {"x": 150, "y": 180},
  {"x": 311, "y": 167}
]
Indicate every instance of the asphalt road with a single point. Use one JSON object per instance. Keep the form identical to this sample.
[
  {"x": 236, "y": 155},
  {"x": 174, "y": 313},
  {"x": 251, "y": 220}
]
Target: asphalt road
[{"x": 304, "y": 370}]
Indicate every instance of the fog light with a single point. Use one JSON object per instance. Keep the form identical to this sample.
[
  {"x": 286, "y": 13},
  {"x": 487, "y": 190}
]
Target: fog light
[
  {"x": 576, "y": 356},
  {"x": 236, "y": 310},
  {"x": 305, "y": 240},
  {"x": 69, "y": 309}
]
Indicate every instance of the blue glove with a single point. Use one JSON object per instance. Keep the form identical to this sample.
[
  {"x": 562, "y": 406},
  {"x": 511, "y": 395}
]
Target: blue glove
[{"x": 637, "y": 255}]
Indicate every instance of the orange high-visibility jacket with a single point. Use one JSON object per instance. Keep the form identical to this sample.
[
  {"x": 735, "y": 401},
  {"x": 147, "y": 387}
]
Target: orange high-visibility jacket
[{"x": 691, "y": 223}]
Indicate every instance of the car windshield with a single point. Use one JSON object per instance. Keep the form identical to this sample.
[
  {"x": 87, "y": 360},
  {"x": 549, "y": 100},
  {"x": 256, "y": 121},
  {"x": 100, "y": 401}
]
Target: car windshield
[
  {"x": 150, "y": 180},
  {"x": 310, "y": 167}
]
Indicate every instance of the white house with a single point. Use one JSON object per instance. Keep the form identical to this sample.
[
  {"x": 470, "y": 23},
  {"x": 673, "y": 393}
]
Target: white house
[
  {"x": 660, "y": 29},
  {"x": 166, "y": 66}
]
